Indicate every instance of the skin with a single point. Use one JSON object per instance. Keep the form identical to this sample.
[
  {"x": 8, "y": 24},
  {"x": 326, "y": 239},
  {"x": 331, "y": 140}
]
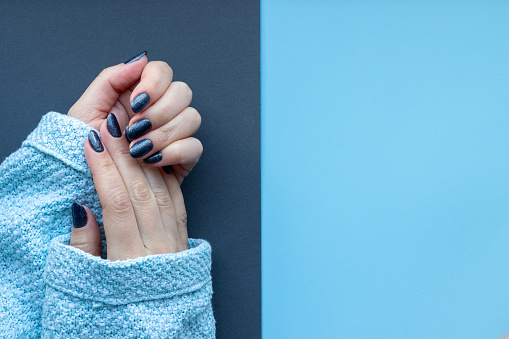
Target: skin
[{"x": 143, "y": 207}]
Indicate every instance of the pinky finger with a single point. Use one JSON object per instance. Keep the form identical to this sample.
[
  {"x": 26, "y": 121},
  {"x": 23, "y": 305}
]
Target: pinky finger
[
  {"x": 173, "y": 185},
  {"x": 179, "y": 172}
]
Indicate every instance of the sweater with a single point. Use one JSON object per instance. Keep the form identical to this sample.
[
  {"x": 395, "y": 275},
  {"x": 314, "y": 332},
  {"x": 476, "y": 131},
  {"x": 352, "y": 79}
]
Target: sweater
[{"x": 49, "y": 289}]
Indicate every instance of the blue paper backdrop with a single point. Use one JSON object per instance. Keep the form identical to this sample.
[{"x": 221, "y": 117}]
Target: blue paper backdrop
[{"x": 385, "y": 169}]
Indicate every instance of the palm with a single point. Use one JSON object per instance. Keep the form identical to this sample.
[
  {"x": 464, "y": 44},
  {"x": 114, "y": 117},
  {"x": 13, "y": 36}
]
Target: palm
[{"x": 94, "y": 113}]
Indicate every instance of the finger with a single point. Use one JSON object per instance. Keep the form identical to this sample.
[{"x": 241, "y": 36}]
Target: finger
[
  {"x": 178, "y": 171},
  {"x": 143, "y": 201},
  {"x": 120, "y": 227},
  {"x": 124, "y": 100},
  {"x": 186, "y": 152},
  {"x": 178, "y": 204},
  {"x": 85, "y": 233},
  {"x": 155, "y": 79},
  {"x": 102, "y": 93},
  {"x": 175, "y": 100},
  {"x": 165, "y": 204},
  {"x": 182, "y": 126}
]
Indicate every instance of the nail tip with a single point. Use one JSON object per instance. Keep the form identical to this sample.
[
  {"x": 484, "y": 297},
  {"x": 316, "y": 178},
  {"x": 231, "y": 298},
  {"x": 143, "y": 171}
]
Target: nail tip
[
  {"x": 139, "y": 128},
  {"x": 136, "y": 57},
  {"x": 95, "y": 141},
  {"x": 141, "y": 148},
  {"x": 113, "y": 126},
  {"x": 156, "y": 157},
  {"x": 140, "y": 102},
  {"x": 167, "y": 169},
  {"x": 79, "y": 215}
]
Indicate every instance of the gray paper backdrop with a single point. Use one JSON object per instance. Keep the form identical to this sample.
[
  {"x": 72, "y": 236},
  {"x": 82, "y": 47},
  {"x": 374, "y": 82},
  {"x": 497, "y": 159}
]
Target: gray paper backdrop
[{"x": 52, "y": 51}]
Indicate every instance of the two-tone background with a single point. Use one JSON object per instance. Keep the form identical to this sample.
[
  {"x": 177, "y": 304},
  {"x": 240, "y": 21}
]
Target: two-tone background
[{"x": 355, "y": 179}]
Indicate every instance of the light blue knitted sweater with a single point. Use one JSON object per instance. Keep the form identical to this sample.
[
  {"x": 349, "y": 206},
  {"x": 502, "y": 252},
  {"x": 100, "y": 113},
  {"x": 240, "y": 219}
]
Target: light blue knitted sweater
[{"x": 52, "y": 290}]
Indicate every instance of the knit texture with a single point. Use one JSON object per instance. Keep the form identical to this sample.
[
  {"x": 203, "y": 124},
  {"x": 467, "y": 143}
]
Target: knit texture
[{"x": 49, "y": 289}]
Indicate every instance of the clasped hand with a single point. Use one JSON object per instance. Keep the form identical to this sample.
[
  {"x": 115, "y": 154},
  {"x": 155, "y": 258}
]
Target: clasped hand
[{"x": 140, "y": 114}]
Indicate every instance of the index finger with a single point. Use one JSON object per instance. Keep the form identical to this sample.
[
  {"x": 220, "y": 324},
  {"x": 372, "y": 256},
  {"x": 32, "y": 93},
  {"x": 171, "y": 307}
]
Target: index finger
[
  {"x": 155, "y": 79},
  {"x": 120, "y": 226}
]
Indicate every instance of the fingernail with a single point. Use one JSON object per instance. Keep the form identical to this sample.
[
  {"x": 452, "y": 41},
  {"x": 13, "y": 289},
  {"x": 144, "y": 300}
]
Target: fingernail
[
  {"x": 139, "y": 128},
  {"x": 113, "y": 126},
  {"x": 167, "y": 169},
  {"x": 127, "y": 134},
  {"x": 153, "y": 158},
  {"x": 136, "y": 57},
  {"x": 141, "y": 148},
  {"x": 95, "y": 141},
  {"x": 79, "y": 215},
  {"x": 139, "y": 102}
]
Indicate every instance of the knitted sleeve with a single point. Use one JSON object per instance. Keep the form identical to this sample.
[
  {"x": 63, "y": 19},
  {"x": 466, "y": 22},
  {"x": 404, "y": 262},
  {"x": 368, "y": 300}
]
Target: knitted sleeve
[{"x": 52, "y": 290}]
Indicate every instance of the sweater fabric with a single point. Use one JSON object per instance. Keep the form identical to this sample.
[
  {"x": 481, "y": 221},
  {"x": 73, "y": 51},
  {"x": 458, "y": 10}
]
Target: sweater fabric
[{"x": 49, "y": 289}]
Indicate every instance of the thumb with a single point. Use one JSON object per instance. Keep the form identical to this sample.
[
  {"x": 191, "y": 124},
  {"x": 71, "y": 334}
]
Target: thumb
[
  {"x": 85, "y": 233},
  {"x": 95, "y": 104}
]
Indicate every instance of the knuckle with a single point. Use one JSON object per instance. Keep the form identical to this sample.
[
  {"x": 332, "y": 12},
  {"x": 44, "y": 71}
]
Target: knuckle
[
  {"x": 105, "y": 72},
  {"x": 194, "y": 116},
  {"x": 184, "y": 89},
  {"x": 141, "y": 194},
  {"x": 123, "y": 153},
  {"x": 182, "y": 218},
  {"x": 199, "y": 147},
  {"x": 178, "y": 152},
  {"x": 119, "y": 202},
  {"x": 162, "y": 66},
  {"x": 167, "y": 131},
  {"x": 165, "y": 68},
  {"x": 161, "y": 71},
  {"x": 107, "y": 167},
  {"x": 163, "y": 197}
]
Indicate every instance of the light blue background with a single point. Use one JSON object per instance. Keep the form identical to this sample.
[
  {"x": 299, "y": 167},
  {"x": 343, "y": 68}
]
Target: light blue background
[{"x": 385, "y": 169}]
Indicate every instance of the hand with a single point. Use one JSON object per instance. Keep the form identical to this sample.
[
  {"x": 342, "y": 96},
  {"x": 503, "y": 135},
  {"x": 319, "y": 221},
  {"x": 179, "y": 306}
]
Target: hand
[
  {"x": 160, "y": 120},
  {"x": 143, "y": 208}
]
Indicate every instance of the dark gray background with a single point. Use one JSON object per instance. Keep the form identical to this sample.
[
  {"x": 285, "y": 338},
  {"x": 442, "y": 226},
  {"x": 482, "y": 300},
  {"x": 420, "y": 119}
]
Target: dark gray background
[{"x": 50, "y": 53}]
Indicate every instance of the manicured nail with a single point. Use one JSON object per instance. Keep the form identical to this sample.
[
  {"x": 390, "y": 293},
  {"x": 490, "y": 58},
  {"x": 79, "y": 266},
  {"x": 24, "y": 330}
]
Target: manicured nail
[
  {"x": 153, "y": 158},
  {"x": 167, "y": 169},
  {"x": 136, "y": 57},
  {"x": 95, "y": 141},
  {"x": 79, "y": 215},
  {"x": 139, "y": 102},
  {"x": 141, "y": 148},
  {"x": 113, "y": 126},
  {"x": 139, "y": 128},
  {"x": 127, "y": 134}
]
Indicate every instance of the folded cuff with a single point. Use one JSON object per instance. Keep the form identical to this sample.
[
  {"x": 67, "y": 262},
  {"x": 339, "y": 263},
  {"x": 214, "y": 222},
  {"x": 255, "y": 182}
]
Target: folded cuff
[
  {"x": 62, "y": 137},
  {"x": 85, "y": 276}
]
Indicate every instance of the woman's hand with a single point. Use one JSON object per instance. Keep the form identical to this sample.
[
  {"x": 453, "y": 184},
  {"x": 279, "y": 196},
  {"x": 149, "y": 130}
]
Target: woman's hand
[
  {"x": 160, "y": 120},
  {"x": 143, "y": 207}
]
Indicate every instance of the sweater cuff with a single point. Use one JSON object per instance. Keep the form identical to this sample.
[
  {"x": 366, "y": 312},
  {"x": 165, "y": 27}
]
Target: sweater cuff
[
  {"x": 85, "y": 276},
  {"x": 62, "y": 137}
]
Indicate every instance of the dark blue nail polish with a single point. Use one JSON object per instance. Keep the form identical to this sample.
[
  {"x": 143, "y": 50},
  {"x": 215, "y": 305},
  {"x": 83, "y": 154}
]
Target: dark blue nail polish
[
  {"x": 136, "y": 57},
  {"x": 113, "y": 126},
  {"x": 167, "y": 169},
  {"x": 95, "y": 141},
  {"x": 79, "y": 215},
  {"x": 139, "y": 128},
  {"x": 139, "y": 102},
  {"x": 141, "y": 148},
  {"x": 127, "y": 134},
  {"x": 153, "y": 158}
]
